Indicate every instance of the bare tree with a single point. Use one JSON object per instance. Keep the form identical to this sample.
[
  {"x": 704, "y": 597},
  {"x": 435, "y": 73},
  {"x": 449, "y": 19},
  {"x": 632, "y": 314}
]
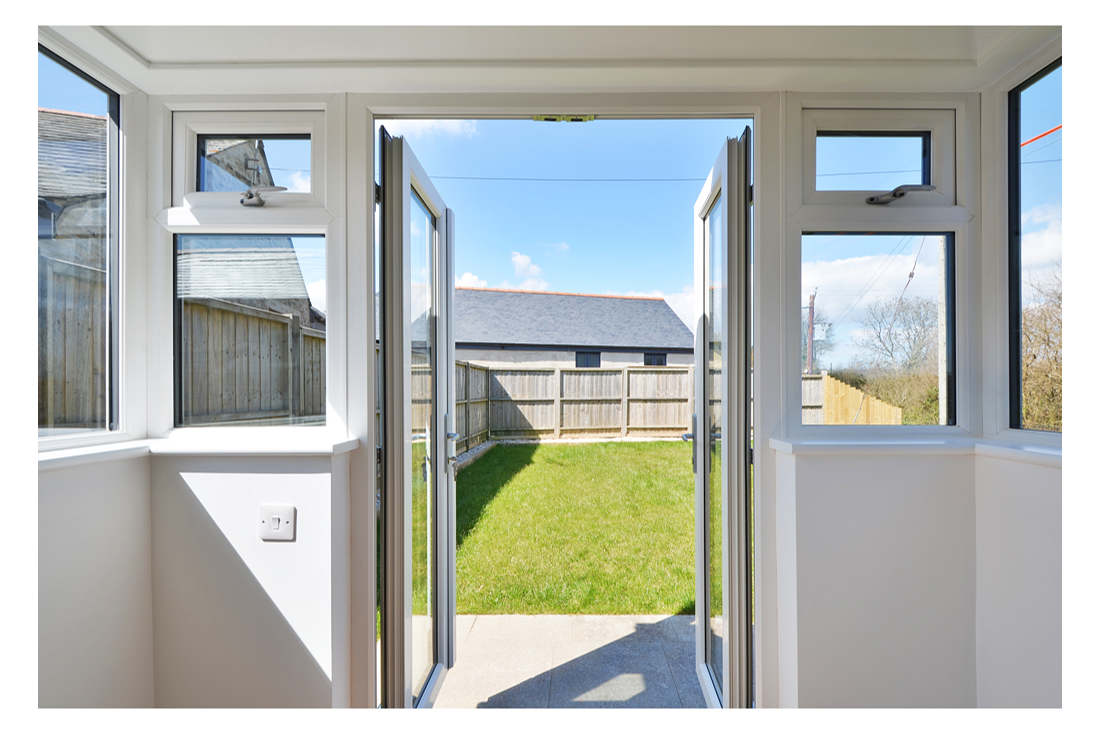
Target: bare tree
[
  {"x": 1041, "y": 355},
  {"x": 901, "y": 334}
]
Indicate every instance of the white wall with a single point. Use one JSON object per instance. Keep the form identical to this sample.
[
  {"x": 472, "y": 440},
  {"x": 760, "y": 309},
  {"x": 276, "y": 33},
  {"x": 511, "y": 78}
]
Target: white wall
[
  {"x": 883, "y": 593},
  {"x": 240, "y": 621},
  {"x": 559, "y": 358},
  {"x": 1019, "y": 582},
  {"x": 95, "y": 607}
]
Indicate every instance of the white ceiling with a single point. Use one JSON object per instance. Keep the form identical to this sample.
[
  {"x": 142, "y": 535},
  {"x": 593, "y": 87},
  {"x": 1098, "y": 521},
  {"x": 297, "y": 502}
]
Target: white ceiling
[{"x": 239, "y": 59}]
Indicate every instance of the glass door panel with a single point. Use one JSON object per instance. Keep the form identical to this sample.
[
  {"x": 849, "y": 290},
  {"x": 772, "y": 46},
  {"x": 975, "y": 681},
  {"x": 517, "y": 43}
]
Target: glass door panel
[
  {"x": 422, "y": 232},
  {"x": 720, "y": 430},
  {"x": 417, "y": 484}
]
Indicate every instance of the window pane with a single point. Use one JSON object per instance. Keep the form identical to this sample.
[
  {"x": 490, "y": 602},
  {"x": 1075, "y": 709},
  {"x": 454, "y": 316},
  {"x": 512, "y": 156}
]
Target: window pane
[
  {"x": 234, "y": 163},
  {"x": 1039, "y": 314},
  {"x": 870, "y": 161},
  {"x": 588, "y": 359},
  {"x": 878, "y": 329},
  {"x": 655, "y": 359},
  {"x": 75, "y": 130},
  {"x": 422, "y": 228},
  {"x": 250, "y": 337}
]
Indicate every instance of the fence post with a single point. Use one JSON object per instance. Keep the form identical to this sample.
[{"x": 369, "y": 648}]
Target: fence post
[
  {"x": 466, "y": 413},
  {"x": 294, "y": 364},
  {"x": 623, "y": 394},
  {"x": 558, "y": 388}
]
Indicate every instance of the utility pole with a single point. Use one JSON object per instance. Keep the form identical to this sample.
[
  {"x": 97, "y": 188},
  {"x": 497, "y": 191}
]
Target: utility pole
[{"x": 810, "y": 336}]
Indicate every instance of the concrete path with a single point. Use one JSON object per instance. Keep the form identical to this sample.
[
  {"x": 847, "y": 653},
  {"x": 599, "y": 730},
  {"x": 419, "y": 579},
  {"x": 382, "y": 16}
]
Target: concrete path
[{"x": 573, "y": 661}]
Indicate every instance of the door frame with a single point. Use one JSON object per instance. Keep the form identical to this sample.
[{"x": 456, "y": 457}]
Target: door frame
[
  {"x": 400, "y": 165},
  {"x": 765, "y": 109}
]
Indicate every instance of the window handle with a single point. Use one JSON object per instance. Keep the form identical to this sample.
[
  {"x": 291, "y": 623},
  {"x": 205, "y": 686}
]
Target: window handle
[{"x": 889, "y": 196}]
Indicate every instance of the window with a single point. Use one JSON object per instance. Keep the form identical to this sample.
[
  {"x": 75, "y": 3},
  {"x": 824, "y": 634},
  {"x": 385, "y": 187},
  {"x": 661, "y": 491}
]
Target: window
[
  {"x": 78, "y": 226},
  {"x": 588, "y": 359},
  {"x": 879, "y": 161},
  {"x": 218, "y": 154},
  {"x": 850, "y": 153},
  {"x": 878, "y": 329},
  {"x": 1035, "y": 252},
  {"x": 655, "y": 359},
  {"x": 236, "y": 162},
  {"x": 250, "y": 329}
]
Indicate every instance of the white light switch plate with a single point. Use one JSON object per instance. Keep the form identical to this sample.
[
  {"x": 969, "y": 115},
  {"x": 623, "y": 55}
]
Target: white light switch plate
[{"x": 277, "y": 522}]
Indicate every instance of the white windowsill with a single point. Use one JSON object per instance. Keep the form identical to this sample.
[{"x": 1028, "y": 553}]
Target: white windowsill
[
  {"x": 207, "y": 442},
  {"x": 1032, "y": 454}
]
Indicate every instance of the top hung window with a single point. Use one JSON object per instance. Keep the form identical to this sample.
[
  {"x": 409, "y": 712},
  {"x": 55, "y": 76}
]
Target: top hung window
[{"x": 849, "y": 154}]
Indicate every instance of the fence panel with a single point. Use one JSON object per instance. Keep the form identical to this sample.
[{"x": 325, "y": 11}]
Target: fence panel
[
  {"x": 244, "y": 363},
  {"x": 72, "y": 360}
]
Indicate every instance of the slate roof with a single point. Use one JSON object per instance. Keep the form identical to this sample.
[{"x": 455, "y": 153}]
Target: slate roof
[
  {"x": 535, "y": 318},
  {"x": 216, "y": 267},
  {"x": 72, "y": 154}
]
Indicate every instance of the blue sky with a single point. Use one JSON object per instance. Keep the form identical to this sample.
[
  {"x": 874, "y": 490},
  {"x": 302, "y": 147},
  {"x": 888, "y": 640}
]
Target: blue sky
[{"x": 625, "y": 237}]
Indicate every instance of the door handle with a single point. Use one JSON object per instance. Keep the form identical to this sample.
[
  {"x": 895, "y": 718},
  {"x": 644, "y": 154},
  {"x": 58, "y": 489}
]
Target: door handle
[
  {"x": 691, "y": 437},
  {"x": 451, "y": 435}
]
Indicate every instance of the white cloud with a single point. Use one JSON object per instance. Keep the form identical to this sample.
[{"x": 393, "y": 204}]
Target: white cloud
[
  {"x": 523, "y": 265},
  {"x": 424, "y": 128},
  {"x": 317, "y": 295},
  {"x": 529, "y": 273},
  {"x": 299, "y": 182},
  {"x": 469, "y": 280},
  {"x": 559, "y": 247},
  {"x": 1040, "y": 249}
]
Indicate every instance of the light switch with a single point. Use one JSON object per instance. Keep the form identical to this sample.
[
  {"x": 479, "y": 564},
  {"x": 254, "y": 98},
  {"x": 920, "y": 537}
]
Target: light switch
[{"x": 277, "y": 522}]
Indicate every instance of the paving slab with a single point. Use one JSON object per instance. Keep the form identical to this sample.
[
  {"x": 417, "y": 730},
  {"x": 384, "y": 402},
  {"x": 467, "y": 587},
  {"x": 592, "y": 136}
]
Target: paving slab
[{"x": 573, "y": 661}]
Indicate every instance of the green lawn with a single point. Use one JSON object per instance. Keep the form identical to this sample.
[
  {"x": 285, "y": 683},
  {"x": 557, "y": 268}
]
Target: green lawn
[{"x": 597, "y": 528}]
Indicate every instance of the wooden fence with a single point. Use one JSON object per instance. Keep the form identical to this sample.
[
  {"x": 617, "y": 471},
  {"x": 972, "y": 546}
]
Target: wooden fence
[
  {"x": 553, "y": 402},
  {"x": 241, "y": 363},
  {"x": 72, "y": 345},
  {"x": 827, "y": 400}
]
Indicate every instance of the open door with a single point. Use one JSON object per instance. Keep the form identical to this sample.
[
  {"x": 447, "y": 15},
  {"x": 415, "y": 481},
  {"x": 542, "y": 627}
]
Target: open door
[
  {"x": 720, "y": 430},
  {"x": 417, "y": 435}
]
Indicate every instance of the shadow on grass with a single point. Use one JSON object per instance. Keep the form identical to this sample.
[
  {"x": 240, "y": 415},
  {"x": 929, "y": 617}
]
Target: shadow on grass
[{"x": 480, "y": 482}]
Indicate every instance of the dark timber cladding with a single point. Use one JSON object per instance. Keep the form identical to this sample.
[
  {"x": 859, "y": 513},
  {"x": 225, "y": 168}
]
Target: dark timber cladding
[{"x": 490, "y": 317}]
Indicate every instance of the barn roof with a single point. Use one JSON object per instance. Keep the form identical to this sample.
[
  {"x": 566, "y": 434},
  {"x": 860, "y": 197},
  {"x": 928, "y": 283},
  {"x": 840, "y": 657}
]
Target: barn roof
[
  {"x": 537, "y": 318},
  {"x": 72, "y": 154}
]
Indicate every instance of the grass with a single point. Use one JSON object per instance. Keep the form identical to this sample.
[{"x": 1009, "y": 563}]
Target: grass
[{"x": 596, "y": 528}]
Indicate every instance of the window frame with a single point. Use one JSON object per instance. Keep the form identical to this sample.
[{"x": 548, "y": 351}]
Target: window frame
[
  {"x": 646, "y": 356},
  {"x": 951, "y": 318},
  {"x": 189, "y": 125},
  {"x": 938, "y": 124},
  {"x": 587, "y": 353},
  {"x": 113, "y": 320},
  {"x": 906, "y": 215},
  {"x": 1015, "y": 252},
  {"x": 321, "y": 212}
]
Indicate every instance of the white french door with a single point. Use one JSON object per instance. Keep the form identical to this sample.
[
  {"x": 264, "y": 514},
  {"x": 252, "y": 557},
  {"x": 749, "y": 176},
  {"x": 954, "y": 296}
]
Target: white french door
[
  {"x": 418, "y": 443},
  {"x": 720, "y": 430}
]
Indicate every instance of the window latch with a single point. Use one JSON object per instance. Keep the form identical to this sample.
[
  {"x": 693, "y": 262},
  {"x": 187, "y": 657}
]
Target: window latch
[
  {"x": 900, "y": 191},
  {"x": 252, "y": 196}
]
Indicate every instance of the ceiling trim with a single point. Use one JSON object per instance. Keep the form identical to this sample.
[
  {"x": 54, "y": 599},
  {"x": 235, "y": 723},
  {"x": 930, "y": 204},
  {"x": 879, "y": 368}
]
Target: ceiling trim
[{"x": 725, "y": 74}]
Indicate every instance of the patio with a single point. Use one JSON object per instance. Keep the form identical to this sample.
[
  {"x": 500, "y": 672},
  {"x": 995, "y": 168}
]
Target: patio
[{"x": 573, "y": 661}]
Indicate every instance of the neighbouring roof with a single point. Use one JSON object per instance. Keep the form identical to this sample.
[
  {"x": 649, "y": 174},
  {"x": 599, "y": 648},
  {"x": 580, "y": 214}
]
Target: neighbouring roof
[
  {"x": 72, "y": 154},
  {"x": 210, "y": 266},
  {"x": 536, "y": 318}
]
